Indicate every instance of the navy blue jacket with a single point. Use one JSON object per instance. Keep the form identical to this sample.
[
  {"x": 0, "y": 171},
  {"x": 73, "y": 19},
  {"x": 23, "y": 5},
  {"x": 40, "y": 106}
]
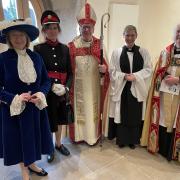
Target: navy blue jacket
[{"x": 26, "y": 136}]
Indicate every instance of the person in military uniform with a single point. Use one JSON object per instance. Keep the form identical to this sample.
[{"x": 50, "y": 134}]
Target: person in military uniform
[{"x": 57, "y": 61}]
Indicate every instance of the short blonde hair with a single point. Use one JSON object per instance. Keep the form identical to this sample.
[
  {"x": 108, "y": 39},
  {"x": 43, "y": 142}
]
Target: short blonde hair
[
  {"x": 10, "y": 44},
  {"x": 130, "y": 28}
]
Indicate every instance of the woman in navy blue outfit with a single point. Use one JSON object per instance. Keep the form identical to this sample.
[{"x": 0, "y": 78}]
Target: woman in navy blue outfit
[{"x": 23, "y": 85}]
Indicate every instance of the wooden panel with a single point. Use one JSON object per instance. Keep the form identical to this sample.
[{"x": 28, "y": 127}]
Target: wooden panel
[
  {"x": 23, "y": 8},
  {"x": 1, "y": 11}
]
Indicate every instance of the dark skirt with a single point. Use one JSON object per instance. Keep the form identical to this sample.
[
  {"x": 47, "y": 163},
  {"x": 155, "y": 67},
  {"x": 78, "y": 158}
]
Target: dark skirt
[
  {"x": 130, "y": 128},
  {"x": 56, "y": 111},
  {"x": 24, "y": 138},
  {"x": 124, "y": 135},
  {"x": 131, "y": 109},
  {"x": 166, "y": 141}
]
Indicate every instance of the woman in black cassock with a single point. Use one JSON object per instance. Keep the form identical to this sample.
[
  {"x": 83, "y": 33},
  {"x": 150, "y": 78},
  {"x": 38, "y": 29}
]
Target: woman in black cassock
[{"x": 130, "y": 69}]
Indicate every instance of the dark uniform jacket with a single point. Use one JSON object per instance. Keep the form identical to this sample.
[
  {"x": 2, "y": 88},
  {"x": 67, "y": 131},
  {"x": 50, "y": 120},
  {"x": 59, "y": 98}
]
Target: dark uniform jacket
[{"x": 57, "y": 61}]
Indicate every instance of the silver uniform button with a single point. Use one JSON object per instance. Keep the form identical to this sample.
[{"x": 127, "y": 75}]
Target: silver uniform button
[
  {"x": 53, "y": 48},
  {"x": 55, "y": 64},
  {"x": 54, "y": 55},
  {"x": 56, "y": 80}
]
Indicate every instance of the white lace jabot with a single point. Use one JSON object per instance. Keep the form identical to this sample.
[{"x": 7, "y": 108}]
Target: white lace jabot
[{"x": 26, "y": 70}]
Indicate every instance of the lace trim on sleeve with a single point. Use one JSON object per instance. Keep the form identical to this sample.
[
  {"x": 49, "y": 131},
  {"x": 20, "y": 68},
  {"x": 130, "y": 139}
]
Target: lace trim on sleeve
[
  {"x": 42, "y": 103},
  {"x": 17, "y": 106}
]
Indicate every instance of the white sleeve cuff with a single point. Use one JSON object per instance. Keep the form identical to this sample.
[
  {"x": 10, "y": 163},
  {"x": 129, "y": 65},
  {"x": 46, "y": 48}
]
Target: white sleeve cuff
[
  {"x": 42, "y": 103},
  {"x": 58, "y": 89},
  {"x": 17, "y": 106}
]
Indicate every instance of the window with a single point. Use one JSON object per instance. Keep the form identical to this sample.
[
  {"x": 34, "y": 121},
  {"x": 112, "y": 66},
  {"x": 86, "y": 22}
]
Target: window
[
  {"x": 9, "y": 9},
  {"x": 32, "y": 14},
  {"x": 21, "y": 9},
  {"x": 14, "y": 9}
]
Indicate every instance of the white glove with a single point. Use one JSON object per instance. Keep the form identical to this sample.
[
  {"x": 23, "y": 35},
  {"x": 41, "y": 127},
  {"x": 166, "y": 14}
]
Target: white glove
[{"x": 58, "y": 89}]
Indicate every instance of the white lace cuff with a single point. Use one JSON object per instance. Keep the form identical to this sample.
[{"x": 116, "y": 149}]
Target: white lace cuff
[
  {"x": 42, "y": 103},
  {"x": 17, "y": 106}
]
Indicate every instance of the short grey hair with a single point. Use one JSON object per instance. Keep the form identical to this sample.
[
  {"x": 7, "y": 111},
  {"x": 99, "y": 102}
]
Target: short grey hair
[{"x": 130, "y": 28}]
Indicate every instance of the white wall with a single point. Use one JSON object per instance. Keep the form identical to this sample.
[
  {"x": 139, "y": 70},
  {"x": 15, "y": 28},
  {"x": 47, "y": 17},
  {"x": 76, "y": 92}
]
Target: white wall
[
  {"x": 156, "y": 23},
  {"x": 67, "y": 10},
  {"x": 120, "y": 11}
]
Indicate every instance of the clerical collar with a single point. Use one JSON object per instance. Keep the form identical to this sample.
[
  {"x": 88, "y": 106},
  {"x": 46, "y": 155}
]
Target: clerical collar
[
  {"x": 176, "y": 50},
  {"x": 129, "y": 49}
]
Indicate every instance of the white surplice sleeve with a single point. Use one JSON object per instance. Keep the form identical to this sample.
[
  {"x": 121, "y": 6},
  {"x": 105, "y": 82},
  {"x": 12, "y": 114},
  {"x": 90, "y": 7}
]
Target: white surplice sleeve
[
  {"x": 117, "y": 83},
  {"x": 140, "y": 86},
  {"x": 116, "y": 75}
]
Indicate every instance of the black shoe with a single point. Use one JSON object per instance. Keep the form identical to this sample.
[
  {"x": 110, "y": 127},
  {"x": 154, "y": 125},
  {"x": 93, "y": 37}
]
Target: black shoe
[
  {"x": 41, "y": 173},
  {"x": 63, "y": 150},
  {"x": 50, "y": 157},
  {"x": 121, "y": 145},
  {"x": 132, "y": 146}
]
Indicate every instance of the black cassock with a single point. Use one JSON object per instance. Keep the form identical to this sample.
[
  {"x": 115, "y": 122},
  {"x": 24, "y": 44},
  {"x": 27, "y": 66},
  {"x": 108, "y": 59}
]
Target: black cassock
[{"x": 129, "y": 130}]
